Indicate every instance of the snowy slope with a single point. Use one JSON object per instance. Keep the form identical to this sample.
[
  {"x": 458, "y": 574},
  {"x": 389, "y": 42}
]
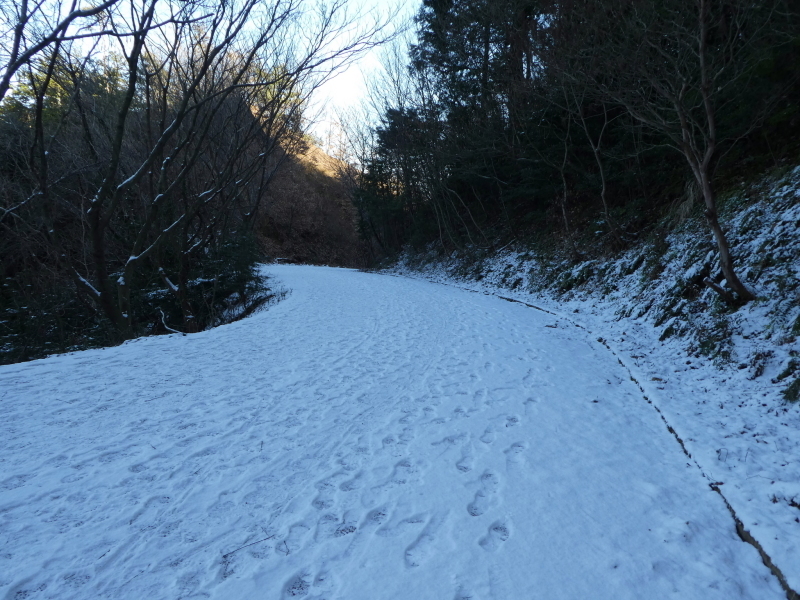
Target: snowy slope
[
  {"x": 368, "y": 437},
  {"x": 718, "y": 376}
]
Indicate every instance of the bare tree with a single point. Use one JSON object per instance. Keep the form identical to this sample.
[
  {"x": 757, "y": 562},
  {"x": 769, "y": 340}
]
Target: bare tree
[
  {"x": 38, "y": 24},
  {"x": 677, "y": 67},
  {"x": 178, "y": 150}
]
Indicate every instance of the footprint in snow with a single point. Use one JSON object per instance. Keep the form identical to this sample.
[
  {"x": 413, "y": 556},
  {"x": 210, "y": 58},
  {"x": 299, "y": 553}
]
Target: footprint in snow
[
  {"x": 409, "y": 415},
  {"x": 467, "y": 462},
  {"x": 364, "y": 446},
  {"x": 404, "y": 471},
  {"x": 348, "y": 525},
  {"x": 375, "y": 518},
  {"x": 322, "y": 502},
  {"x": 326, "y": 526},
  {"x": 111, "y": 457},
  {"x": 465, "y": 594},
  {"x": 13, "y": 483},
  {"x": 498, "y": 533},
  {"x": 530, "y": 404},
  {"x": 489, "y": 436},
  {"x": 515, "y": 457},
  {"x": 401, "y": 526},
  {"x": 529, "y": 376},
  {"x": 355, "y": 483},
  {"x": 294, "y": 541},
  {"x": 419, "y": 552},
  {"x": 327, "y": 490},
  {"x": 72, "y": 478},
  {"x": 298, "y": 586},
  {"x": 324, "y": 581},
  {"x": 450, "y": 440},
  {"x": 349, "y": 462},
  {"x": 424, "y": 546},
  {"x": 394, "y": 443},
  {"x": 485, "y": 496}
]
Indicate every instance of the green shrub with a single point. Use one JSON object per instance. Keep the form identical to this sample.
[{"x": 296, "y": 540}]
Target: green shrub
[{"x": 792, "y": 392}]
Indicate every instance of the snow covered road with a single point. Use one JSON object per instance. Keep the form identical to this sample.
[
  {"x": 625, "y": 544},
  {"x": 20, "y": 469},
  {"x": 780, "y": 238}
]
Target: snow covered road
[{"x": 370, "y": 437}]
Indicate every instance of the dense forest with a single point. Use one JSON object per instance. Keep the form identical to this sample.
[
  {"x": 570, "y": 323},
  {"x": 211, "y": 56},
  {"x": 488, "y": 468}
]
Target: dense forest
[
  {"x": 578, "y": 123},
  {"x": 139, "y": 140}
]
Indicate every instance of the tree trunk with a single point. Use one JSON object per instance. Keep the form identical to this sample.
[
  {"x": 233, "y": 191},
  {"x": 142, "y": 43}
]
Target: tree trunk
[
  {"x": 704, "y": 169},
  {"x": 562, "y": 171},
  {"x": 725, "y": 259},
  {"x": 104, "y": 296}
]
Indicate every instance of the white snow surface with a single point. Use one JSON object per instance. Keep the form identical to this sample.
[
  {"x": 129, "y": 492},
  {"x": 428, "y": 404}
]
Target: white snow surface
[
  {"x": 368, "y": 437},
  {"x": 729, "y": 413}
]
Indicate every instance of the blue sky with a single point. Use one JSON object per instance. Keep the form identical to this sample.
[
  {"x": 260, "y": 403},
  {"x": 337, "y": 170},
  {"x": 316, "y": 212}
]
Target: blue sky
[{"x": 348, "y": 88}]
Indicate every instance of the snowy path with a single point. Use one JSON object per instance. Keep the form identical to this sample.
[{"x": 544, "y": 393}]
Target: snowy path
[{"x": 369, "y": 437}]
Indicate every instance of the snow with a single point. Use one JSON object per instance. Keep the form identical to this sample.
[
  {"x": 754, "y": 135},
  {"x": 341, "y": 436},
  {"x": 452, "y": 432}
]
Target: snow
[
  {"x": 172, "y": 287},
  {"x": 368, "y": 437},
  {"x": 729, "y": 412},
  {"x": 87, "y": 284}
]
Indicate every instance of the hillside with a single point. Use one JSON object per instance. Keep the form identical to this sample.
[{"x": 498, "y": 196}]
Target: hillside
[
  {"x": 308, "y": 216},
  {"x": 658, "y": 282}
]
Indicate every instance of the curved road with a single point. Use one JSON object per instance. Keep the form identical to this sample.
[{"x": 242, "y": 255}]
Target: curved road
[{"x": 369, "y": 437}]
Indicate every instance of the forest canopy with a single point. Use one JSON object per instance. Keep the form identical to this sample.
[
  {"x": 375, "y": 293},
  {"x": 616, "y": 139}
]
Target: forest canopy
[{"x": 512, "y": 119}]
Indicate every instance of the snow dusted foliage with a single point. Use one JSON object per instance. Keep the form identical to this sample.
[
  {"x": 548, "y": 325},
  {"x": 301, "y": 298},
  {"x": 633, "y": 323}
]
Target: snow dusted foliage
[{"x": 722, "y": 377}]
